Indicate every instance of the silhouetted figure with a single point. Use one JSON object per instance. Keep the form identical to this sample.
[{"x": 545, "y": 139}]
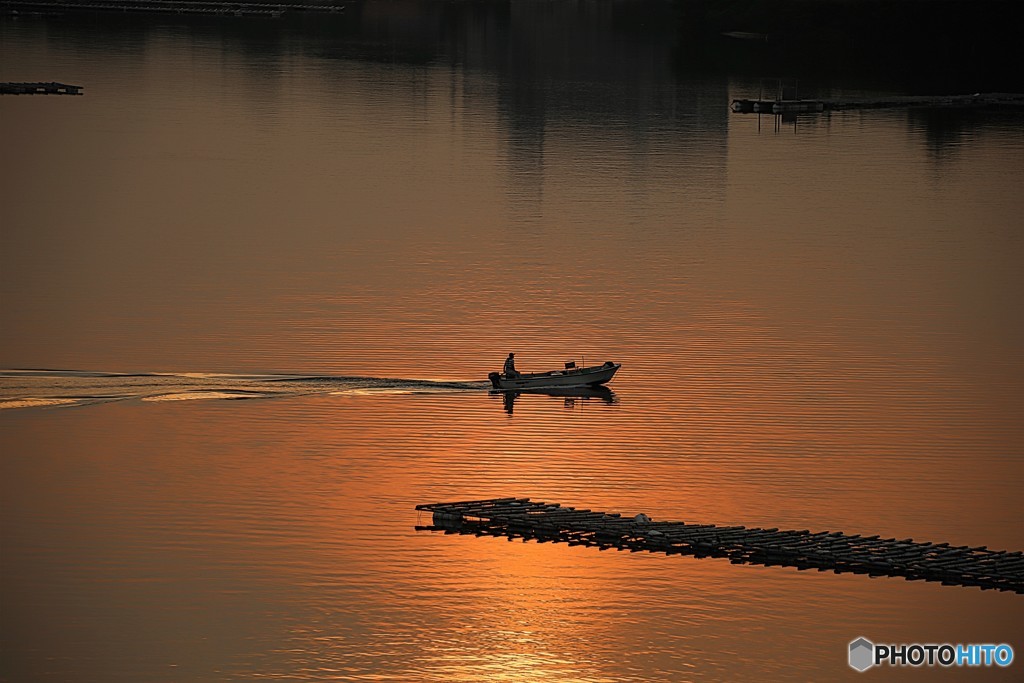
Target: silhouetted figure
[{"x": 510, "y": 366}]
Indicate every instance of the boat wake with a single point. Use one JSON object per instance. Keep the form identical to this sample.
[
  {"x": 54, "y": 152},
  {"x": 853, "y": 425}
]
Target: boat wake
[{"x": 69, "y": 388}]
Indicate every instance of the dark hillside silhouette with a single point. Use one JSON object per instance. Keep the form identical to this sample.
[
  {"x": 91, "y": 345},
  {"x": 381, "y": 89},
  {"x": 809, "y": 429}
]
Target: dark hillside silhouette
[{"x": 932, "y": 46}]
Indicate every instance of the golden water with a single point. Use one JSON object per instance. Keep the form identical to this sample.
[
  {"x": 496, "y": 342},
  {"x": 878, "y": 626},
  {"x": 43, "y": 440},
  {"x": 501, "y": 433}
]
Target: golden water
[{"x": 819, "y": 328}]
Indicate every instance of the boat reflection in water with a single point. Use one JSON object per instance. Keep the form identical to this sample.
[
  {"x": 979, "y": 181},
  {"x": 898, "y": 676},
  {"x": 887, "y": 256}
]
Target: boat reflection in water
[{"x": 569, "y": 394}]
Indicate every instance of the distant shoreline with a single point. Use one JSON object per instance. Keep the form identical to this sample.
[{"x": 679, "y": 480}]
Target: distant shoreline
[
  {"x": 926, "y": 46},
  {"x": 940, "y": 46}
]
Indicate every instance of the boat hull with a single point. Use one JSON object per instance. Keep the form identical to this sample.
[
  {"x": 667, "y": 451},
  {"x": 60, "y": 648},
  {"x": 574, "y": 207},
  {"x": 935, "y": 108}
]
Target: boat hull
[{"x": 575, "y": 377}]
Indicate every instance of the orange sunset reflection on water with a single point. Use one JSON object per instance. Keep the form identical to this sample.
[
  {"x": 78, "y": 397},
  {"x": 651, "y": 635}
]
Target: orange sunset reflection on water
[
  {"x": 297, "y": 513},
  {"x": 254, "y": 281}
]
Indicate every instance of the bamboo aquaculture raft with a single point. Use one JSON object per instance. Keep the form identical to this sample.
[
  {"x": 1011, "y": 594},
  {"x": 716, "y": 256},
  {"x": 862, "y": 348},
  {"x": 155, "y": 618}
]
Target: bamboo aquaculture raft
[
  {"x": 222, "y": 7},
  {"x": 39, "y": 89},
  {"x": 824, "y": 551}
]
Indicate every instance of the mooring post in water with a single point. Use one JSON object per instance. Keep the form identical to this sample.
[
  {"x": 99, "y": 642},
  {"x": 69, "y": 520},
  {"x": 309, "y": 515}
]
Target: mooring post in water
[{"x": 824, "y": 550}]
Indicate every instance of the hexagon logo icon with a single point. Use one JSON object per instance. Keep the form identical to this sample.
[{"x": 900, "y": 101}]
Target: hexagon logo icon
[{"x": 862, "y": 654}]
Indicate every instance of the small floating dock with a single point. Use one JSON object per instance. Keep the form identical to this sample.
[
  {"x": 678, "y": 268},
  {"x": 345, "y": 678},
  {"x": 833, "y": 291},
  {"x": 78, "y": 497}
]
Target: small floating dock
[
  {"x": 40, "y": 89},
  {"x": 823, "y": 551},
  {"x": 220, "y": 7},
  {"x": 798, "y": 106},
  {"x": 776, "y": 106}
]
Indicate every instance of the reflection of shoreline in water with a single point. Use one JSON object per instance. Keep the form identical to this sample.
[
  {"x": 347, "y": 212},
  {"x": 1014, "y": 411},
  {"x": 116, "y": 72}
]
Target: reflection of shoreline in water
[{"x": 570, "y": 394}]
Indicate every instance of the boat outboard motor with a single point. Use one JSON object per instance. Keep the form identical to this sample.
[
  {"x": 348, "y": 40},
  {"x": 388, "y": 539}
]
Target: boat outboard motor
[{"x": 494, "y": 377}]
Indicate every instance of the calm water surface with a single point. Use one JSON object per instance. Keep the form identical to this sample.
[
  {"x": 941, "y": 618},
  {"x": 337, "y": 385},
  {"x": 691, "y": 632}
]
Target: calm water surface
[{"x": 350, "y": 221}]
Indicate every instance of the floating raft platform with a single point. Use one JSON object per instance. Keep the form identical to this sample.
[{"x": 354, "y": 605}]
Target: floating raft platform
[
  {"x": 221, "y": 7},
  {"x": 824, "y": 551},
  {"x": 776, "y": 106},
  {"x": 788, "y": 106},
  {"x": 39, "y": 89}
]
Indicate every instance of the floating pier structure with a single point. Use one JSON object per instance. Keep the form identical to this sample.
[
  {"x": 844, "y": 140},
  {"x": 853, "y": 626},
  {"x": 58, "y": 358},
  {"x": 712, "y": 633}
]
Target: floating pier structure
[
  {"x": 799, "y": 106},
  {"x": 39, "y": 89},
  {"x": 223, "y": 7},
  {"x": 824, "y": 551}
]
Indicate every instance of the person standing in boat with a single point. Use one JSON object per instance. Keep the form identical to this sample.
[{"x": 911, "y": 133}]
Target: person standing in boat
[{"x": 510, "y": 366}]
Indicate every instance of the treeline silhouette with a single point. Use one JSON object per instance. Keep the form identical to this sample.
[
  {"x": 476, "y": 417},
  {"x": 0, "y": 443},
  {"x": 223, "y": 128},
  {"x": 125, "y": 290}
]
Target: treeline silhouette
[{"x": 934, "y": 46}]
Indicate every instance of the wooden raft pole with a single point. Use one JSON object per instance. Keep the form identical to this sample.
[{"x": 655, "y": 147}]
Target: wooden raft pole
[{"x": 824, "y": 551}]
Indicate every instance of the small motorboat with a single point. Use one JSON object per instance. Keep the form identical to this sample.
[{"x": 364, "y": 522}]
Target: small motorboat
[{"x": 571, "y": 376}]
